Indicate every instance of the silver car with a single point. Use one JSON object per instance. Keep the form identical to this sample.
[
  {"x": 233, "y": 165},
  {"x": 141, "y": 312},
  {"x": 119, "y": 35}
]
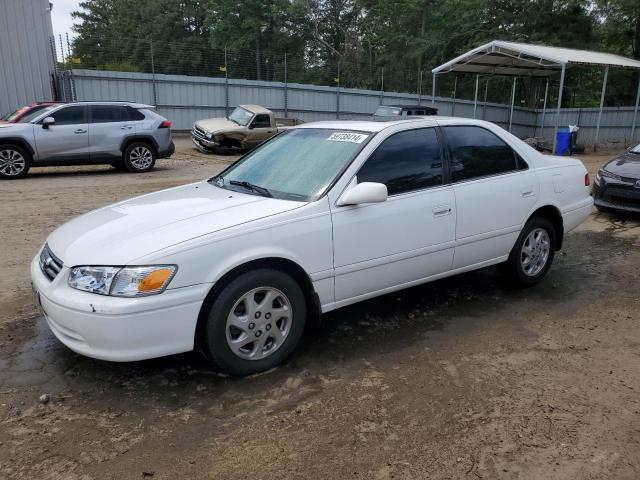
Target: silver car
[{"x": 129, "y": 136}]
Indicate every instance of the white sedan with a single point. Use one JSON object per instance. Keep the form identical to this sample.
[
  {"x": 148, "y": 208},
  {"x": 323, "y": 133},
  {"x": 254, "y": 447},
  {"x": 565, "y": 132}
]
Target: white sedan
[{"x": 319, "y": 217}]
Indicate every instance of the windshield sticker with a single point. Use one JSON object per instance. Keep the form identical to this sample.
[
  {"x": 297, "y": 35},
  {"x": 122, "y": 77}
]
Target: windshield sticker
[{"x": 347, "y": 137}]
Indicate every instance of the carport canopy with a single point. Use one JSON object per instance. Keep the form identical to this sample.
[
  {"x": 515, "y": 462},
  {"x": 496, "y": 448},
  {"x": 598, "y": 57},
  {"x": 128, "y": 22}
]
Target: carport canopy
[{"x": 526, "y": 60}]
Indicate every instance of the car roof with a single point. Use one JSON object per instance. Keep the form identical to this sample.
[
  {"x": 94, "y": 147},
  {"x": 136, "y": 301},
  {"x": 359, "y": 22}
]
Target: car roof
[
  {"x": 377, "y": 126},
  {"x": 410, "y": 107},
  {"x": 255, "y": 108}
]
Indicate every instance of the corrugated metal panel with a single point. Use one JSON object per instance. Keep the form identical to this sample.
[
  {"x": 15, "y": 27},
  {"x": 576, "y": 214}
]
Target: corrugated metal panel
[
  {"x": 186, "y": 99},
  {"x": 26, "y": 62}
]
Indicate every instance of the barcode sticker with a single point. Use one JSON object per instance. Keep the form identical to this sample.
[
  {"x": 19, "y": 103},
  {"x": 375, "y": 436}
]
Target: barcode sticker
[{"x": 347, "y": 137}]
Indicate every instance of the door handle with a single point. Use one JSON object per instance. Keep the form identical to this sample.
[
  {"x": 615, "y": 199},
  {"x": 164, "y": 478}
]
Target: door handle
[
  {"x": 80, "y": 130},
  {"x": 528, "y": 192},
  {"x": 441, "y": 210},
  {"x": 126, "y": 127}
]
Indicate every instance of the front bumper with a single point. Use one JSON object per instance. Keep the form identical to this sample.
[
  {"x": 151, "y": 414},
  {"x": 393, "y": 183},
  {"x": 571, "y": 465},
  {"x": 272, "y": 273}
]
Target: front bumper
[
  {"x": 616, "y": 195},
  {"x": 119, "y": 329},
  {"x": 201, "y": 142}
]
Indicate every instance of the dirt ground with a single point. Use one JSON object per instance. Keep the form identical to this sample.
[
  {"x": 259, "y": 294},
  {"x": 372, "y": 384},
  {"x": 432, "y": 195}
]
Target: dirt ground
[{"x": 461, "y": 378}]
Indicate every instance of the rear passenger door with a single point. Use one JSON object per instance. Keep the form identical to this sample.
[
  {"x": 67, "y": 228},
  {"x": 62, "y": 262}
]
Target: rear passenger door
[
  {"x": 406, "y": 238},
  {"x": 494, "y": 193},
  {"x": 109, "y": 125}
]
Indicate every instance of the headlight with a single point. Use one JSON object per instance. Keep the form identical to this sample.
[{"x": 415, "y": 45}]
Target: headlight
[
  {"x": 209, "y": 135},
  {"x": 603, "y": 173},
  {"x": 122, "y": 282}
]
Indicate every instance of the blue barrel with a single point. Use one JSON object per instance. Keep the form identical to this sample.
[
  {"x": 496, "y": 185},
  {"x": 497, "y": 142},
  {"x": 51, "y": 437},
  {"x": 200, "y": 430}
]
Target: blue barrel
[{"x": 563, "y": 142}]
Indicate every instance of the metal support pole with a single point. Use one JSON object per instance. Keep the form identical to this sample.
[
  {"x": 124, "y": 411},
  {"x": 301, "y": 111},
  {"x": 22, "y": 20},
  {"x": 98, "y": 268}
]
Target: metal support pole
[
  {"x": 544, "y": 107},
  {"x": 475, "y": 98},
  {"x": 61, "y": 48},
  {"x": 286, "y": 92},
  {"x": 226, "y": 83},
  {"x": 557, "y": 120},
  {"x": 455, "y": 88},
  {"x": 635, "y": 112},
  {"x": 382, "y": 86},
  {"x": 419, "y": 87},
  {"x": 153, "y": 76},
  {"x": 604, "y": 90},
  {"x": 513, "y": 99},
  {"x": 433, "y": 91},
  {"x": 338, "y": 94},
  {"x": 484, "y": 107}
]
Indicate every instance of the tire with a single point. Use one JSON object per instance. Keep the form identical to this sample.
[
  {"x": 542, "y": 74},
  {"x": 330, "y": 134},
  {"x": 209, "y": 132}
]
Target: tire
[
  {"x": 241, "y": 338},
  {"x": 139, "y": 157},
  {"x": 538, "y": 234},
  {"x": 15, "y": 162}
]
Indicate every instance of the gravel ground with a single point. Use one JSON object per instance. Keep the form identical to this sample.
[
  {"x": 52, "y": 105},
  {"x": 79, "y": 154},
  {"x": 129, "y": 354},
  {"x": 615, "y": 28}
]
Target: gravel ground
[{"x": 461, "y": 378}]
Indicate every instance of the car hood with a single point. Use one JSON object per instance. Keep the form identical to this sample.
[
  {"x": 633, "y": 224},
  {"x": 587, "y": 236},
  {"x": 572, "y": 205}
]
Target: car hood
[
  {"x": 214, "y": 125},
  {"x": 625, "y": 165},
  {"x": 123, "y": 232}
]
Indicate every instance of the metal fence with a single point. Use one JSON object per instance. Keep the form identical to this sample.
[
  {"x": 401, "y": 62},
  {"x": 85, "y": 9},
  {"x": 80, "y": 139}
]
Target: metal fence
[{"x": 185, "y": 99}]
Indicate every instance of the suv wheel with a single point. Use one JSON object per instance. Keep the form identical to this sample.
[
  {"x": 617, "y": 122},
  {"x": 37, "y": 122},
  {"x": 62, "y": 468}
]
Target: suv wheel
[
  {"x": 255, "y": 322},
  {"x": 139, "y": 157},
  {"x": 532, "y": 255},
  {"x": 14, "y": 162}
]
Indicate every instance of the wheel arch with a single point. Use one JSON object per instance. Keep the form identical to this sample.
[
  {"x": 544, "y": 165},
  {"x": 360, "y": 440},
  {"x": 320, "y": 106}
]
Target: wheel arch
[
  {"x": 551, "y": 213},
  {"x": 277, "y": 263},
  {"x": 128, "y": 140},
  {"x": 18, "y": 142}
]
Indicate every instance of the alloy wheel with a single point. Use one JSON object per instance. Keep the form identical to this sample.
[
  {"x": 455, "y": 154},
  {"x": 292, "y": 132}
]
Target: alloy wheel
[
  {"x": 535, "y": 252},
  {"x": 259, "y": 322},
  {"x": 12, "y": 162},
  {"x": 141, "y": 158}
]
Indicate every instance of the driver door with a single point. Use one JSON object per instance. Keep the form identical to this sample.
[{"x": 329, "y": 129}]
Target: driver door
[
  {"x": 261, "y": 129},
  {"x": 406, "y": 238},
  {"x": 67, "y": 139}
]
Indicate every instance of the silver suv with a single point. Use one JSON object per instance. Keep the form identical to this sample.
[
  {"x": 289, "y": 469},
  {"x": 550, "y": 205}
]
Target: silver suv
[{"x": 129, "y": 136}]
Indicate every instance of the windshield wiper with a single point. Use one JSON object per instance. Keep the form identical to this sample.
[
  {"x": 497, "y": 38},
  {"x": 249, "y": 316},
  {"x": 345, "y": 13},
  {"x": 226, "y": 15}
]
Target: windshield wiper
[{"x": 255, "y": 188}]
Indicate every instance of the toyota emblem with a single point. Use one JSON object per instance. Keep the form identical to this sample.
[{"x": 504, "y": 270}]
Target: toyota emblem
[{"x": 637, "y": 185}]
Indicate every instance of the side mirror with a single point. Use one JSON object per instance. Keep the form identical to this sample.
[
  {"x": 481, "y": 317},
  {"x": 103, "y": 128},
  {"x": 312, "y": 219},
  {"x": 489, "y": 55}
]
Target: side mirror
[
  {"x": 365, "y": 192},
  {"x": 48, "y": 121}
]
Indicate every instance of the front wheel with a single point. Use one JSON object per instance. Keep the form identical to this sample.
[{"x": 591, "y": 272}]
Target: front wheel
[
  {"x": 532, "y": 255},
  {"x": 14, "y": 162},
  {"x": 255, "y": 322},
  {"x": 139, "y": 157}
]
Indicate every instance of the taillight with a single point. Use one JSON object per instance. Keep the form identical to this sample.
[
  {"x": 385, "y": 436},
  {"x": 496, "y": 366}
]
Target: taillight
[
  {"x": 587, "y": 181},
  {"x": 166, "y": 124}
]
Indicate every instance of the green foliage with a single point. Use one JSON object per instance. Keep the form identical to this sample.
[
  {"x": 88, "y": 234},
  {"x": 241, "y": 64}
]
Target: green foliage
[{"x": 373, "y": 44}]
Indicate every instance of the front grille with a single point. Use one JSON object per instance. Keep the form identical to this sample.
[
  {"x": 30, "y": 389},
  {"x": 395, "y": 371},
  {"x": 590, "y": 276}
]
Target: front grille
[
  {"x": 199, "y": 132},
  {"x": 49, "y": 263}
]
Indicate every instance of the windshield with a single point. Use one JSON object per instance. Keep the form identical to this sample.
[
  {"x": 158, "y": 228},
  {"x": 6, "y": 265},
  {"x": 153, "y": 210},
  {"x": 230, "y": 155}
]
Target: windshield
[
  {"x": 241, "y": 116},
  {"x": 9, "y": 117},
  {"x": 635, "y": 149},
  {"x": 35, "y": 113},
  {"x": 387, "y": 111},
  {"x": 298, "y": 164}
]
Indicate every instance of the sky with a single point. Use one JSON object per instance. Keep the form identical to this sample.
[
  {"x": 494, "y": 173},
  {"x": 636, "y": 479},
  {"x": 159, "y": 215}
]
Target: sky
[{"x": 61, "y": 16}]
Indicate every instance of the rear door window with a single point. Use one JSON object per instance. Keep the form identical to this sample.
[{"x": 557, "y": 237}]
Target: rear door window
[
  {"x": 107, "y": 113},
  {"x": 406, "y": 161},
  {"x": 477, "y": 152}
]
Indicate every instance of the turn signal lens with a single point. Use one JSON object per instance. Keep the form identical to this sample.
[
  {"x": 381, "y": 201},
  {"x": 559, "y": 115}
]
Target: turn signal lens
[{"x": 155, "y": 280}]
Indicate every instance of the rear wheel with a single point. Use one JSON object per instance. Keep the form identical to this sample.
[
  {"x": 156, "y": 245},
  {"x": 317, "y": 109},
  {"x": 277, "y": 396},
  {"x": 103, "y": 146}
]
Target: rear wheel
[
  {"x": 14, "y": 162},
  {"x": 533, "y": 253},
  {"x": 255, "y": 322},
  {"x": 139, "y": 157}
]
